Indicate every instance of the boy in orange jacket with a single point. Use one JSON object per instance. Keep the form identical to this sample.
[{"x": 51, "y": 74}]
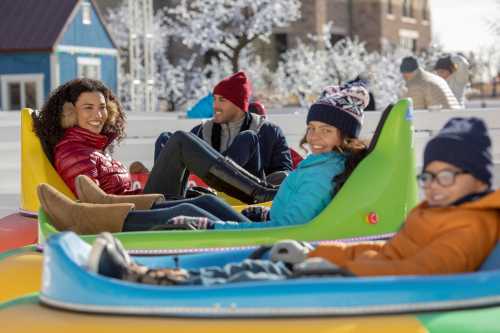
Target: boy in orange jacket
[
  {"x": 457, "y": 225},
  {"x": 452, "y": 231}
]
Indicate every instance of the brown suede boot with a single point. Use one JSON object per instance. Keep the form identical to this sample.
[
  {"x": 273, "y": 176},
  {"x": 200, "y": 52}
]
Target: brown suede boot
[
  {"x": 82, "y": 218},
  {"x": 88, "y": 191}
]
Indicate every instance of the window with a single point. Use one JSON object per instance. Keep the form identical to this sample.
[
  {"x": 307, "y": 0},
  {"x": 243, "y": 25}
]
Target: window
[
  {"x": 389, "y": 7},
  {"x": 14, "y": 96},
  {"x": 86, "y": 13},
  {"x": 414, "y": 45},
  {"x": 408, "y": 39},
  {"x": 408, "y": 43},
  {"x": 407, "y": 8},
  {"x": 89, "y": 68},
  {"x": 425, "y": 11},
  {"x": 20, "y": 91}
]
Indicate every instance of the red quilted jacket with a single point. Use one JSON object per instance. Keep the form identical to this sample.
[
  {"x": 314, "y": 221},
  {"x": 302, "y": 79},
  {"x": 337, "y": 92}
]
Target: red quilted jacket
[{"x": 81, "y": 152}]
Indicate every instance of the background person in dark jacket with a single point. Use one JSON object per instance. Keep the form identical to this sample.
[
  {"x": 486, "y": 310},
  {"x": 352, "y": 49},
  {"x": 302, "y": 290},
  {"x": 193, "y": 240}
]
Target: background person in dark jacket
[{"x": 246, "y": 138}]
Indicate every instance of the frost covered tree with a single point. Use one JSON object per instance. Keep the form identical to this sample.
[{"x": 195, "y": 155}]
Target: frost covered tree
[
  {"x": 386, "y": 81},
  {"x": 228, "y": 27},
  {"x": 171, "y": 80},
  {"x": 308, "y": 68},
  {"x": 202, "y": 80},
  {"x": 301, "y": 73},
  {"x": 305, "y": 70}
]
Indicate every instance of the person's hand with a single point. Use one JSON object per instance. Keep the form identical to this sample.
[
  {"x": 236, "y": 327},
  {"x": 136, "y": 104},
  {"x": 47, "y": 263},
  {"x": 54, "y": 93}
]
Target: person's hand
[
  {"x": 318, "y": 266},
  {"x": 186, "y": 223},
  {"x": 137, "y": 167},
  {"x": 256, "y": 213},
  {"x": 290, "y": 251}
]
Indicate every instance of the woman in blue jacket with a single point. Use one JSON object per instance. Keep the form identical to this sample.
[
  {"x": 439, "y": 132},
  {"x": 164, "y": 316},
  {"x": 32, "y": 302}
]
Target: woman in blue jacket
[{"x": 333, "y": 125}]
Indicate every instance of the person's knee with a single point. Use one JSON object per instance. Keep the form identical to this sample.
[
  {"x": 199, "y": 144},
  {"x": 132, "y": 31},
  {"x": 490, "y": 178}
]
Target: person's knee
[
  {"x": 208, "y": 199},
  {"x": 186, "y": 208},
  {"x": 178, "y": 138},
  {"x": 181, "y": 135},
  {"x": 160, "y": 142},
  {"x": 162, "y": 138}
]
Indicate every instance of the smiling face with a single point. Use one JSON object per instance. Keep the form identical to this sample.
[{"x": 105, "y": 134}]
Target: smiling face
[
  {"x": 91, "y": 111},
  {"x": 321, "y": 137},
  {"x": 441, "y": 196},
  {"x": 225, "y": 111}
]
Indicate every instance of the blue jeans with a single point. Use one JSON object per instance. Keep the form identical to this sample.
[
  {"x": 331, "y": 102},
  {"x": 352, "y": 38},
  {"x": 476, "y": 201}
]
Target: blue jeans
[
  {"x": 207, "y": 206},
  {"x": 210, "y": 203},
  {"x": 247, "y": 270}
]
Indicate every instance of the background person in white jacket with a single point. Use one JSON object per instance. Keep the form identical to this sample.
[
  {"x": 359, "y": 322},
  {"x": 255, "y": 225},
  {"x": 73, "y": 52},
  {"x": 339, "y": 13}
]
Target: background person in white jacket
[
  {"x": 427, "y": 90},
  {"x": 454, "y": 69}
]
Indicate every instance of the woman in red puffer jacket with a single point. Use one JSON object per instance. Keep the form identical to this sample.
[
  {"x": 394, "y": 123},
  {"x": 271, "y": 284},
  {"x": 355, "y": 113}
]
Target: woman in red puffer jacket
[{"x": 77, "y": 126}]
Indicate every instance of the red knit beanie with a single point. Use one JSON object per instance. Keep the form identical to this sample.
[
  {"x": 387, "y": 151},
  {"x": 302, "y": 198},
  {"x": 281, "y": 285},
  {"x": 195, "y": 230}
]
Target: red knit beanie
[{"x": 235, "y": 88}]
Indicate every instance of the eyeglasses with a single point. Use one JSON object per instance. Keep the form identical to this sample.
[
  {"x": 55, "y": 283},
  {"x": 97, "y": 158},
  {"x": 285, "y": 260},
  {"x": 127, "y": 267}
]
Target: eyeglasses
[{"x": 444, "y": 178}]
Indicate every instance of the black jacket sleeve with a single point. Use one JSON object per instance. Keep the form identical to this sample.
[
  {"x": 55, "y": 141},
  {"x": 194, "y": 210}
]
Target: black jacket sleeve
[{"x": 279, "y": 154}]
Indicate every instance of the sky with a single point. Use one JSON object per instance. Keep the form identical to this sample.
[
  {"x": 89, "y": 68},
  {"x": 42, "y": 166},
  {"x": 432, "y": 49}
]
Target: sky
[{"x": 461, "y": 25}]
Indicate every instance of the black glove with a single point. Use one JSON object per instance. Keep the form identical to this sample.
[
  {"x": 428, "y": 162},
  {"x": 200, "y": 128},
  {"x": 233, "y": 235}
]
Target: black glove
[{"x": 257, "y": 213}]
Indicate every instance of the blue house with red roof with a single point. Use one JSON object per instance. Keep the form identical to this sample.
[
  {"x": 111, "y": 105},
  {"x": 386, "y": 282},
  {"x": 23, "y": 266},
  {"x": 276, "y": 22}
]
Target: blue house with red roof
[{"x": 46, "y": 43}]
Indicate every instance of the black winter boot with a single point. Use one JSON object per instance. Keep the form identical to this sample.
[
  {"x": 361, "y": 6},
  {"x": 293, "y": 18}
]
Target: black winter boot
[{"x": 227, "y": 176}]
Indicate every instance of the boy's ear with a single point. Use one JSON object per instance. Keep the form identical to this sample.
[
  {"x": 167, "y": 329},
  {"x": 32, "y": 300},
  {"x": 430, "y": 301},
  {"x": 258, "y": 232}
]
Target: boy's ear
[
  {"x": 68, "y": 116},
  {"x": 113, "y": 112}
]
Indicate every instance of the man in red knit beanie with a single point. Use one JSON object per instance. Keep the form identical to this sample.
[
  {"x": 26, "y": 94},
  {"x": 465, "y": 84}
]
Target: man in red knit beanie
[
  {"x": 231, "y": 98},
  {"x": 246, "y": 138}
]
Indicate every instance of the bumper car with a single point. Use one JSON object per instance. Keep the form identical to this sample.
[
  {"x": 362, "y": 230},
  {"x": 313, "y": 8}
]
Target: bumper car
[{"x": 72, "y": 297}]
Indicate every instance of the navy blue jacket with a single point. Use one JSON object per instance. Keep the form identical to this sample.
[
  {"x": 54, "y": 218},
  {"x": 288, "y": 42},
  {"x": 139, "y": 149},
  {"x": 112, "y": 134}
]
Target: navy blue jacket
[{"x": 274, "y": 150}]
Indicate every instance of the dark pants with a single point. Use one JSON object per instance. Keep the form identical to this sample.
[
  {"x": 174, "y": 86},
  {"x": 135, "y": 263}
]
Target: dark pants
[
  {"x": 247, "y": 270},
  {"x": 207, "y": 206},
  {"x": 182, "y": 153},
  {"x": 244, "y": 150}
]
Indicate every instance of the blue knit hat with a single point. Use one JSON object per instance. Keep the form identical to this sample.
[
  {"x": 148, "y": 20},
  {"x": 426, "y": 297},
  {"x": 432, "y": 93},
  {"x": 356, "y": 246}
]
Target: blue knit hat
[
  {"x": 342, "y": 107},
  {"x": 464, "y": 143},
  {"x": 408, "y": 64}
]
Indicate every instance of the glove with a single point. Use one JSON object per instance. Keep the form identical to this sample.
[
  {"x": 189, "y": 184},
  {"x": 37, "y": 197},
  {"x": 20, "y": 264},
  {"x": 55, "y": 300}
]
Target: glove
[
  {"x": 319, "y": 266},
  {"x": 187, "y": 223},
  {"x": 290, "y": 251},
  {"x": 257, "y": 213}
]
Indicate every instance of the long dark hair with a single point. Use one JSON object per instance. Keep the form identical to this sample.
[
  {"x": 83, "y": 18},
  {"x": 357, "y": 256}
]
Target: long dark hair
[
  {"x": 354, "y": 150},
  {"x": 47, "y": 124}
]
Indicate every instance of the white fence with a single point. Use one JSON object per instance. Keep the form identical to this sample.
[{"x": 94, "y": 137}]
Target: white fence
[{"x": 142, "y": 130}]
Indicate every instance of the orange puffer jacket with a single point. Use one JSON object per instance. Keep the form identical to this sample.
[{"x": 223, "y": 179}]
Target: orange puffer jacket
[
  {"x": 81, "y": 152},
  {"x": 432, "y": 241}
]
